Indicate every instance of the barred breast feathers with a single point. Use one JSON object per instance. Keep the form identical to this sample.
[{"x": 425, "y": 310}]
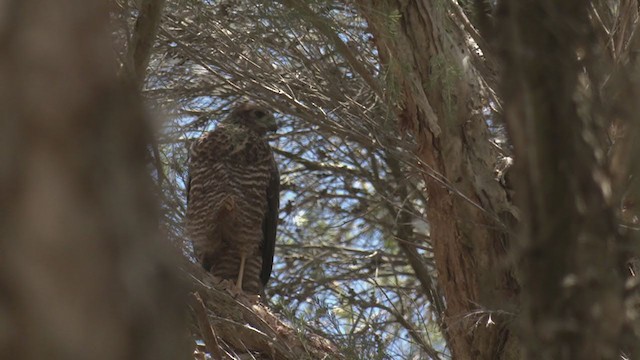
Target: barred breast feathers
[{"x": 233, "y": 200}]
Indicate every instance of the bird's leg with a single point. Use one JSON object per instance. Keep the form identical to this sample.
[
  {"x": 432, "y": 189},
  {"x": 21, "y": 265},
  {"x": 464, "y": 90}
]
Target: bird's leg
[{"x": 243, "y": 258}]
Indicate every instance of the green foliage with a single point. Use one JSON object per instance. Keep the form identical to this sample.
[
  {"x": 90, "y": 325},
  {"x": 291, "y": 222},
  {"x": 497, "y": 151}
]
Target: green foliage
[
  {"x": 445, "y": 77},
  {"x": 393, "y": 19}
]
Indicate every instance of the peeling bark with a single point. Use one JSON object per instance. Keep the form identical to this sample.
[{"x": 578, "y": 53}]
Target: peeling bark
[
  {"x": 244, "y": 328},
  {"x": 440, "y": 101}
]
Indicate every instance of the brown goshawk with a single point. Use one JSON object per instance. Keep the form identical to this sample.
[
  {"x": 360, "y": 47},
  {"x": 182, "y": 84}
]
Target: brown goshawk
[{"x": 233, "y": 199}]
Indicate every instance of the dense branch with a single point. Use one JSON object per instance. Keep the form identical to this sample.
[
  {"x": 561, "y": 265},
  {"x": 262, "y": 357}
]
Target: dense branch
[{"x": 244, "y": 326}]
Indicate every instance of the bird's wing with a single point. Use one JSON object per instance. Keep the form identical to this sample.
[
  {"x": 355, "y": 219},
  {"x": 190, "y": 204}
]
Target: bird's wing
[
  {"x": 188, "y": 184},
  {"x": 270, "y": 224}
]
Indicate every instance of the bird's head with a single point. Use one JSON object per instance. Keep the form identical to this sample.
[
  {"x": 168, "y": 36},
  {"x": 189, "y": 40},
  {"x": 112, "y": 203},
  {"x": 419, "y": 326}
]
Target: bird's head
[{"x": 254, "y": 117}]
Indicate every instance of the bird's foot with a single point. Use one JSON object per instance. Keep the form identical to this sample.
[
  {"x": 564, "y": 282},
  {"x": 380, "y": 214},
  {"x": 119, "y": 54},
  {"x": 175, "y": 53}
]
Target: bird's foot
[
  {"x": 215, "y": 280},
  {"x": 224, "y": 284},
  {"x": 252, "y": 298},
  {"x": 245, "y": 298},
  {"x": 231, "y": 288},
  {"x": 240, "y": 295},
  {"x": 234, "y": 290}
]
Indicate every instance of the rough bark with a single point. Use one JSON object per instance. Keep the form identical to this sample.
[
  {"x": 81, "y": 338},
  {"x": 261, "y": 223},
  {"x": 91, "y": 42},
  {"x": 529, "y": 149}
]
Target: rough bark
[
  {"x": 243, "y": 328},
  {"x": 142, "y": 39},
  {"x": 83, "y": 272},
  {"x": 572, "y": 293},
  {"x": 441, "y": 102}
]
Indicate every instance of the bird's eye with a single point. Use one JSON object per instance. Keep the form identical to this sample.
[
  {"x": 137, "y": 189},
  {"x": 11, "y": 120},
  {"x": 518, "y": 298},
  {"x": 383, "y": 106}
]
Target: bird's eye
[{"x": 259, "y": 113}]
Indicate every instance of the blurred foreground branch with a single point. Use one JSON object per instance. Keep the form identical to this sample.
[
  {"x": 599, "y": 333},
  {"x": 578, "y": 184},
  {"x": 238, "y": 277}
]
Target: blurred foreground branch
[{"x": 83, "y": 273}]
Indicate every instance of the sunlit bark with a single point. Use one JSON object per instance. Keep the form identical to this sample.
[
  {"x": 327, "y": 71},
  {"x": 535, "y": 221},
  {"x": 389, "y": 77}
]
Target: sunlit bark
[{"x": 441, "y": 104}]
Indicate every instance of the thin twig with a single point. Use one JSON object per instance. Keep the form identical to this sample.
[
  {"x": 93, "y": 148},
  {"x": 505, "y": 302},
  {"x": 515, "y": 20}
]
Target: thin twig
[{"x": 209, "y": 335}]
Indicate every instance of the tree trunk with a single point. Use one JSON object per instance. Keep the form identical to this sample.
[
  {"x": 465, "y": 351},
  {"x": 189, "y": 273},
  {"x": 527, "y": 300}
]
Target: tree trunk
[
  {"x": 441, "y": 103},
  {"x": 83, "y": 273},
  {"x": 572, "y": 294}
]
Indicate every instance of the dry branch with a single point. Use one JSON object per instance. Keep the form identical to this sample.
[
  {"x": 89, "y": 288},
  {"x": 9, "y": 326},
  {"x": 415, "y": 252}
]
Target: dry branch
[
  {"x": 241, "y": 326},
  {"x": 143, "y": 37},
  {"x": 210, "y": 338}
]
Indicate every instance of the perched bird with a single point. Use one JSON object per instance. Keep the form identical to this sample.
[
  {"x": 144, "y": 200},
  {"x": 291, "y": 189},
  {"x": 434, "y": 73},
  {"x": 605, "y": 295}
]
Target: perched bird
[{"x": 233, "y": 199}]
